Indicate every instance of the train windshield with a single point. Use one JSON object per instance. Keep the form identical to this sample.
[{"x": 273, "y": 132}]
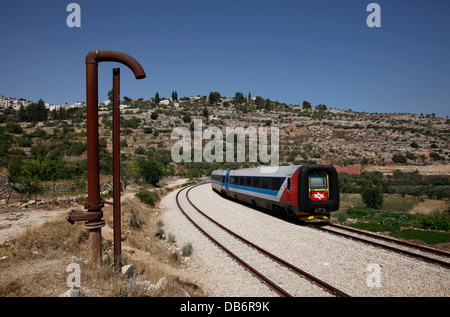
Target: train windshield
[{"x": 318, "y": 181}]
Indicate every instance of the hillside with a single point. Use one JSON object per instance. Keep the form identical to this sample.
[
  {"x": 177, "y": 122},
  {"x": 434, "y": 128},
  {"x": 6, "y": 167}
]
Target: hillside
[
  {"x": 353, "y": 141},
  {"x": 329, "y": 136}
]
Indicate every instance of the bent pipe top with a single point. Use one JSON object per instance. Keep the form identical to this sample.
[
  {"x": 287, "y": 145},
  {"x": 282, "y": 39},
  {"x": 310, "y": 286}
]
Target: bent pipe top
[{"x": 97, "y": 56}]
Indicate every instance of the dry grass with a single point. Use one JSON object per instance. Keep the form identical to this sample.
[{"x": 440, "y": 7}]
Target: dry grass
[{"x": 37, "y": 259}]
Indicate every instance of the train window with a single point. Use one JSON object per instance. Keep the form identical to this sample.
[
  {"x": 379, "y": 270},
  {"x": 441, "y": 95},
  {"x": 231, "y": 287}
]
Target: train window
[
  {"x": 276, "y": 183},
  {"x": 223, "y": 179},
  {"x": 248, "y": 181},
  {"x": 241, "y": 180},
  {"x": 265, "y": 182},
  {"x": 289, "y": 184},
  {"x": 317, "y": 181},
  {"x": 256, "y": 182}
]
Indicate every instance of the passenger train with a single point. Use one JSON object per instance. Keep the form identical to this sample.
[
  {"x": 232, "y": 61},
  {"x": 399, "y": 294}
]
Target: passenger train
[{"x": 307, "y": 192}]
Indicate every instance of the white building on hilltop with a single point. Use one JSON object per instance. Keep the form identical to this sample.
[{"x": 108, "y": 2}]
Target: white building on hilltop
[{"x": 6, "y": 102}]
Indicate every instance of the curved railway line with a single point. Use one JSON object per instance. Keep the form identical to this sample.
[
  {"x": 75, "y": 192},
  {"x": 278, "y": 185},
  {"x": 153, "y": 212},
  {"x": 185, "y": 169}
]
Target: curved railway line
[
  {"x": 420, "y": 252},
  {"x": 280, "y": 276}
]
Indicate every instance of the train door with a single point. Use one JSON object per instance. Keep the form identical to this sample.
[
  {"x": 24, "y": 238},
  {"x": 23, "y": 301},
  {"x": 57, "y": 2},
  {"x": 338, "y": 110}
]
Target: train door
[
  {"x": 286, "y": 196},
  {"x": 288, "y": 190}
]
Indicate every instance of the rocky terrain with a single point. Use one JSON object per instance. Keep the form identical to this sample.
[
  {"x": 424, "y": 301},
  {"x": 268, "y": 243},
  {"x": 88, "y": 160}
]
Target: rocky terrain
[{"x": 332, "y": 136}]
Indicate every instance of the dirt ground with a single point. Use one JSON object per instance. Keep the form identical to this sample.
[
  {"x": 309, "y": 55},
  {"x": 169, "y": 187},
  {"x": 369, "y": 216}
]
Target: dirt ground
[
  {"x": 37, "y": 244},
  {"x": 15, "y": 220},
  {"x": 429, "y": 206}
]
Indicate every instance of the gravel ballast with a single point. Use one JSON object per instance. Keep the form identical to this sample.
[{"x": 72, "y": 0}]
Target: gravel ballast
[{"x": 353, "y": 267}]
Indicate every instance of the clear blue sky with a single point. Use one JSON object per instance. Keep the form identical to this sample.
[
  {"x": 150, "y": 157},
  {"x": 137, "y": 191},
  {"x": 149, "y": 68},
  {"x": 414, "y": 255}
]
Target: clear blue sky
[{"x": 321, "y": 51}]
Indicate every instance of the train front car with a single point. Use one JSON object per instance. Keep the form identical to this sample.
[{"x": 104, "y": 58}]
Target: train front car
[
  {"x": 318, "y": 193},
  {"x": 307, "y": 192}
]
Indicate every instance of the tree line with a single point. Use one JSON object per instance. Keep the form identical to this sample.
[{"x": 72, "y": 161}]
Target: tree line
[{"x": 403, "y": 183}]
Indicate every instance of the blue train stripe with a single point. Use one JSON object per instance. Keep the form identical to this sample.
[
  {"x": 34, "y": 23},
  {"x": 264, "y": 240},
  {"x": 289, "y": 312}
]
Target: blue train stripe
[
  {"x": 256, "y": 190},
  {"x": 250, "y": 189}
]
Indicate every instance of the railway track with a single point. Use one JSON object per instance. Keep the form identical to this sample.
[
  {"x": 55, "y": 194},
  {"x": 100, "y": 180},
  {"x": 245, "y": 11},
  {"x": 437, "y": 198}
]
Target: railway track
[
  {"x": 280, "y": 276},
  {"x": 420, "y": 252}
]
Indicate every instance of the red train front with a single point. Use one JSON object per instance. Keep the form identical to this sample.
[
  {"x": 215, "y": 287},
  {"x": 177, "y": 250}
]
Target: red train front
[{"x": 308, "y": 192}]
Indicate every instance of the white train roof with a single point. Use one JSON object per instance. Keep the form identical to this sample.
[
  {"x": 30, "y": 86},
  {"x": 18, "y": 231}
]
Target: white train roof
[{"x": 268, "y": 171}]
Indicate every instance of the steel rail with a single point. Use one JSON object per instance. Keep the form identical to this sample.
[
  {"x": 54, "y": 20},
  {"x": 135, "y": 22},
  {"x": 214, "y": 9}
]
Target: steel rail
[
  {"x": 258, "y": 275},
  {"x": 389, "y": 239},
  {"x": 382, "y": 245}
]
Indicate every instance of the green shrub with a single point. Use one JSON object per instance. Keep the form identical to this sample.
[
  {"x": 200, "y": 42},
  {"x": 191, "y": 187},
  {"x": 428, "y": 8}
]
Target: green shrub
[
  {"x": 360, "y": 212},
  {"x": 398, "y": 158},
  {"x": 135, "y": 221},
  {"x": 341, "y": 216},
  {"x": 174, "y": 256},
  {"x": 372, "y": 196},
  {"x": 146, "y": 197},
  {"x": 76, "y": 149},
  {"x": 150, "y": 170},
  {"x": 439, "y": 220},
  {"x": 430, "y": 237},
  {"x": 373, "y": 227},
  {"x": 160, "y": 234},
  {"x": 171, "y": 238},
  {"x": 13, "y": 127},
  {"x": 435, "y": 156},
  {"x": 187, "y": 249},
  {"x": 24, "y": 142}
]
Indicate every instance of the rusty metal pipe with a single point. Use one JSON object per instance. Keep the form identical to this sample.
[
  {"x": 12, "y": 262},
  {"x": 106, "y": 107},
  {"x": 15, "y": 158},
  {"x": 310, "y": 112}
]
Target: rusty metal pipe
[
  {"x": 92, "y": 60},
  {"x": 94, "y": 203},
  {"x": 116, "y": 168}
]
